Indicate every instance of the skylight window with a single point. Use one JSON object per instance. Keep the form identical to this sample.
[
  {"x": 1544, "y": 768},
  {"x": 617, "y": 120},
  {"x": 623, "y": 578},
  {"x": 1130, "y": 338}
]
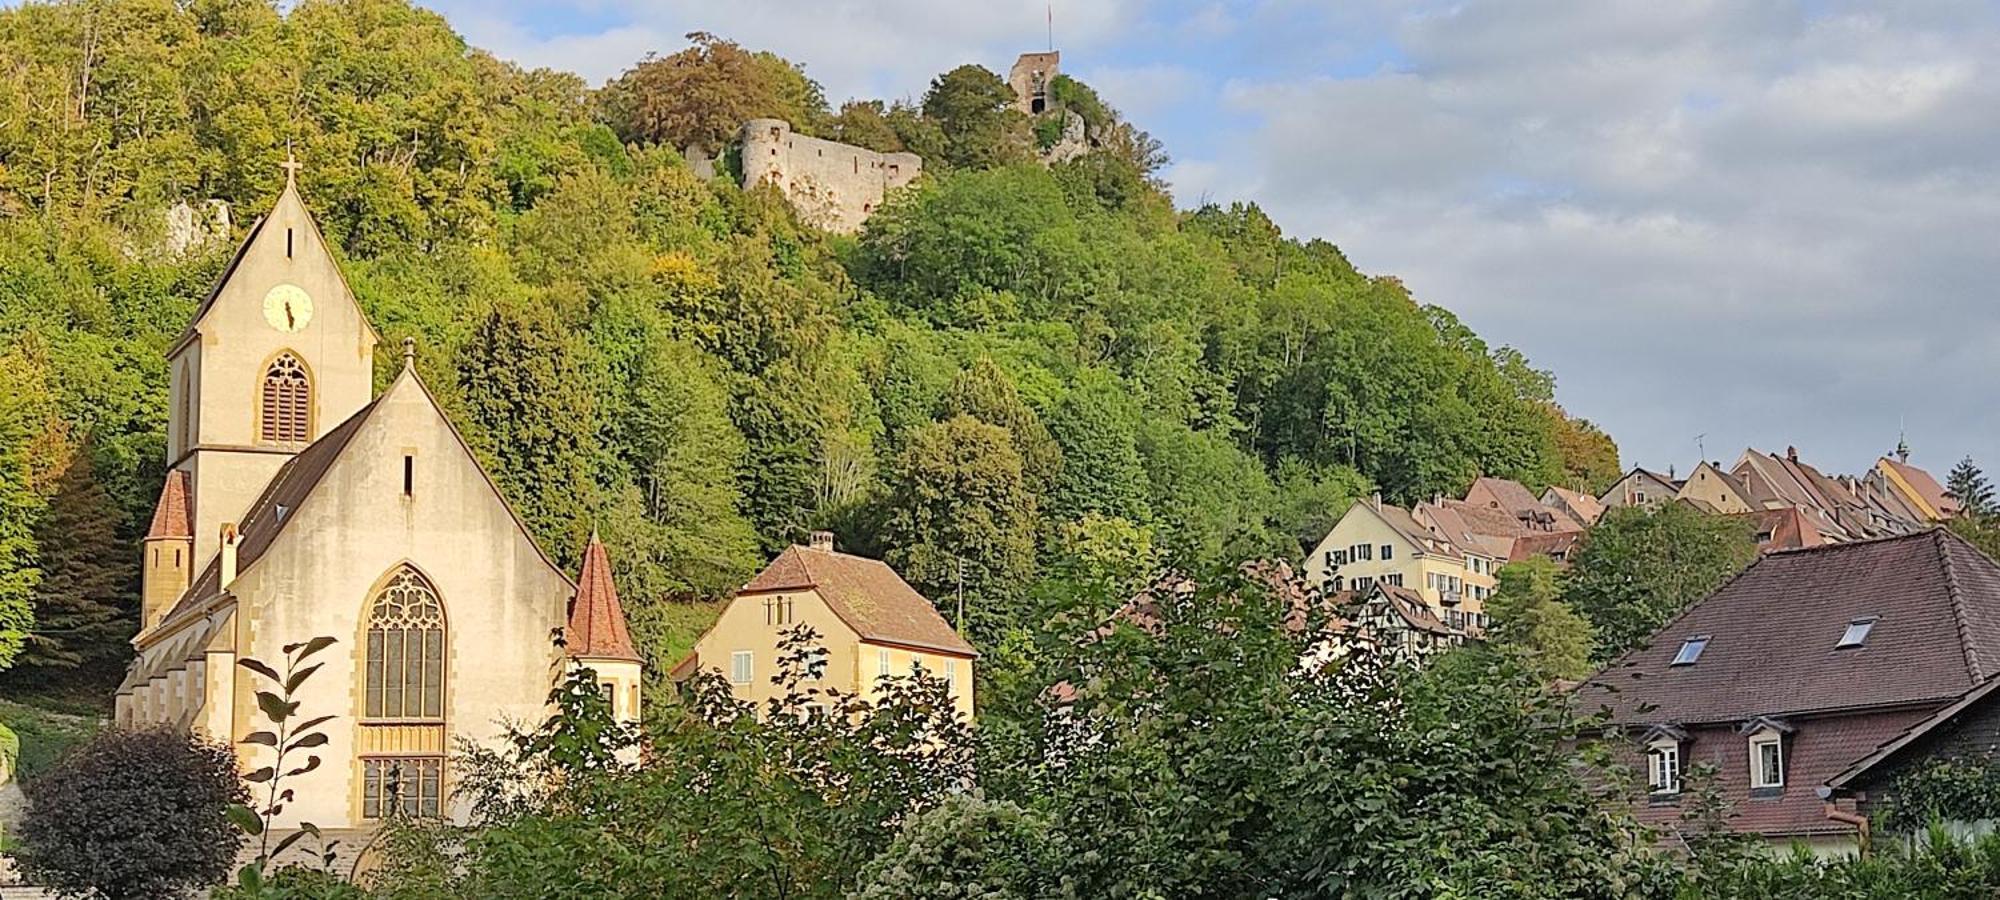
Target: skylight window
[
  {"x": 1856, "y": 633},
  {"x": 1691, "y": 650}
]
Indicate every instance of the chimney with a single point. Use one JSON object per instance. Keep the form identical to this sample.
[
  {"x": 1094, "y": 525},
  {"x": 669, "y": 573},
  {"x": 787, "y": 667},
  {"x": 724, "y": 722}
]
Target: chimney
[
  {"x": 1378, "y": 501},
  {"x": 228, "y": 556},
  {"x": 822, "y": 540},
  {"x": 1792, "y": 453}
]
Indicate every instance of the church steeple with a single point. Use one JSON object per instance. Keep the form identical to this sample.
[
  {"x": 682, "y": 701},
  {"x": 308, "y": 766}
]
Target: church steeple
[{"x": 276, "y": 355}]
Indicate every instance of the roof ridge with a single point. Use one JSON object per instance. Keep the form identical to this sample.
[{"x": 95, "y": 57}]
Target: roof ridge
[
  {"x": 1861, "y": 542},
  {"x": 1957, "y": 598}
]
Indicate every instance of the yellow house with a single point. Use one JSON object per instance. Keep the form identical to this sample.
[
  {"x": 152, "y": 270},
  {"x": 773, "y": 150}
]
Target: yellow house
[
  {"x": 1709, "y": 488},
  {"x": 1376, "y": 543},
  {"x": 871, "y": 622}
]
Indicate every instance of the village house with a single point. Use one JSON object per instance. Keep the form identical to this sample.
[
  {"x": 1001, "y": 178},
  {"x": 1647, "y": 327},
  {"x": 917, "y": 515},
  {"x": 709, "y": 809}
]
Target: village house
[
  {"x": 1794, "y": 672},
  {"x": 299, "y": 505},
  {"x": 871, "y": 623},
  {"x": 1580, "y": 506},
  {"x": 1375, "y": 542},
  {"x": 1640, "y": 487},
  {"x": 1710, "y": 489}
]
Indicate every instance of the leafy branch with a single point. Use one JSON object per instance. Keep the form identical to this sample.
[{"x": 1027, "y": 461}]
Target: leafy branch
[{"x": 288, "y": 739}]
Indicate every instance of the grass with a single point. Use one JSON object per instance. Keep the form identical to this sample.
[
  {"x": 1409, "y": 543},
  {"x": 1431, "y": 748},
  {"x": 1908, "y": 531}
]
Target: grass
[{"x": 45, "y": 733}]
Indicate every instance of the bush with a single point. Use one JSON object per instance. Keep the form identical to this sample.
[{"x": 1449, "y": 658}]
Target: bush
[{"x": 133, "y": 814}]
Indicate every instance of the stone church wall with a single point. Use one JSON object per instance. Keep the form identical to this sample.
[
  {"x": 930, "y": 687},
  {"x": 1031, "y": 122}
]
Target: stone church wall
[{"x": 834, "y": 186}]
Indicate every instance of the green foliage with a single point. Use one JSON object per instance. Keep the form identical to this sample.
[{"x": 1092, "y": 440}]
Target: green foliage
[
  {"x": 700, "y": 96},
  {"x": 968, "y": 848},
  {"x": 133, "y": 814},
  {"x": 1097, "y": 425},
  {"x": 787, "y": 801},
  {"x": 962, "y": 518},
  {"x": 975, "y": 109},
  {"x": 1983, "y": 533},
  {"x": 1639, "y": 567},
  {"x": 44, "y": 735},
  {"x": 86, "y": 605},
  {"x": 1963, "y": 789},
  {"x": 1968, "y": 485},
  {"x": 1529, "y": 618},
  {"x": 291, "y": 737}
]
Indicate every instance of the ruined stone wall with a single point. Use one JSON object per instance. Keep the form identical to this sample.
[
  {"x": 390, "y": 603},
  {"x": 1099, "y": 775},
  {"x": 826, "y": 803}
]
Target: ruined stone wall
[
  {"x": 834, "y": 186},
  {"x": 1030, "y": 78}
]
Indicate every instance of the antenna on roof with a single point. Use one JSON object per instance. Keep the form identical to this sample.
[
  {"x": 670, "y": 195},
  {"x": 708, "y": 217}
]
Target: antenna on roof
[
  {"x": 1052, "y": 27},
  {"x": 1700, "y": 448}
]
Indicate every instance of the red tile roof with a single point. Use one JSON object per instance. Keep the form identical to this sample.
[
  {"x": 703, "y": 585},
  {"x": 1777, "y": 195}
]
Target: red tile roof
[
  {"x": 1772, "y": 631},
  {"x": 171, "y": 518},
  {"x": 596, "y": 618},
  {"x": 1789, "y": 528},
  {"x": 1556, "y": 546},
  {"x": 1581, "y": 505},
  {"x": 1501, "y": 493},
  {"x": 866, "y": 594}
]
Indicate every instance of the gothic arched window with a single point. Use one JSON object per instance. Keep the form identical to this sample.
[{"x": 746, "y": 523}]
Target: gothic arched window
[
  {"x": 405, "y": 650},
  {"x": 286, "y": 409}
]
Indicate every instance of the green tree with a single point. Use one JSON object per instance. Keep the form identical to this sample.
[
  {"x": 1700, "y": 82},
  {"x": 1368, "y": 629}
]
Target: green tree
[
  {"x": 986, "y": 393},
  {"x": 968, "y": 848},
  {"x": 961, "y": 514},
  {"x": 1638, "y": 567},
  {"x": 701, "y": 95},
  {"x": 1097, "y": 425},
  {"x": 1530, "y": 619},
  {"x": 975, "y": 109},
  {"x": 865, "y": 123},
  {"x": 530, "y": 414},
  {"x": 85, "y": 605},
  {"x": 1968, "y": 485}
]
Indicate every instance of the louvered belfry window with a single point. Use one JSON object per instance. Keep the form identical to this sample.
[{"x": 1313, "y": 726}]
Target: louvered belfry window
[
  {"x": 287, "y": 402},
  {"x": 405, "y": 651}
]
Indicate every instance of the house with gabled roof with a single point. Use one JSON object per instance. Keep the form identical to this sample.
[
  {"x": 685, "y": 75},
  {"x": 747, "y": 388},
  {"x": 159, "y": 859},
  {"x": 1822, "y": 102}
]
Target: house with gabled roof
[
  {"x": 1795, "y": 670},
  {"x": 1581, "y": 506},
  {"x": 1640, "y": 487},
  {"x": 299, "y": 505},
  {"x": 1710, "y": 489},
  {"x": 871, "y": 623},
  {"x": 1376, "y": 542}
]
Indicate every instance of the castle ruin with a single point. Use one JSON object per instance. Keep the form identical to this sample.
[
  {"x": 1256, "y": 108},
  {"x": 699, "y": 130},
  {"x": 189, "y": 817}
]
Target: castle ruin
[
  {"x": 834, "y": 186},
  {"x": 1030, "y": 78}
]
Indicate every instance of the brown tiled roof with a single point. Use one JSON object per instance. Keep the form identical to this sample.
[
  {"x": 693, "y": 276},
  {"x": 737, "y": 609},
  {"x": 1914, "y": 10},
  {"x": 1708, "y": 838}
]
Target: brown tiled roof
[
  {"x": 1895, "y": 744},
  {"x": 274, "y": 508},
  {"x": 1788, "y": 526},
  {"x": 1503, "y": 493},
  {"x": 596, "y": 618},
  {"x": 866, "y": 594},
  {"x": 1773, "y": 627},
  {"x": 1529, "y": 546},
  {"x": 1410, "y": 606},
  {"x": 1579, "y": 503},
  {"x": 170, "y": 515}
]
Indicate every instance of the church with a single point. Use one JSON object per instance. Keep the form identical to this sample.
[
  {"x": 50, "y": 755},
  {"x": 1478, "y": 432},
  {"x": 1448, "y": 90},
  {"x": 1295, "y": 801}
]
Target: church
[{"x": 299, "y": 503}]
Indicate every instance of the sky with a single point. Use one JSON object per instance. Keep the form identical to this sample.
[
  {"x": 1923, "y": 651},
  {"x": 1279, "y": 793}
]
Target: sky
[{"x": 1721, "y": 224}]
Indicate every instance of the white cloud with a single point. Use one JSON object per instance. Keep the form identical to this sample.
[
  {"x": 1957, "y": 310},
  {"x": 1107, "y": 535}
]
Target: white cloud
[{"x": 1720, "y": 217}]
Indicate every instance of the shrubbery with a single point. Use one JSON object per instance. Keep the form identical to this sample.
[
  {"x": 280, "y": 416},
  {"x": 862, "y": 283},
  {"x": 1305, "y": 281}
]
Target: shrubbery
[{"x": 133, "y": 814}]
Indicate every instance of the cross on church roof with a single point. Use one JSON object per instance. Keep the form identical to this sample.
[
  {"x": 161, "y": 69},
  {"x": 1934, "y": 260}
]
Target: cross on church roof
[{"x": 291, "y": 165}]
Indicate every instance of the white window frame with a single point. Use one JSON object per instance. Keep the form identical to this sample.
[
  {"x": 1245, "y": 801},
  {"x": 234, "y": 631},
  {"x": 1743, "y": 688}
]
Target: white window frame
[
  {"x": 882, "y": 662},
  {"x": 742, "y": 667},
  {"x": 1850, "y": 640},
  {"x": 1663, "y": 768},
  {"x": 951, "y": 675},
  {"x": 1768, "y": 737}
]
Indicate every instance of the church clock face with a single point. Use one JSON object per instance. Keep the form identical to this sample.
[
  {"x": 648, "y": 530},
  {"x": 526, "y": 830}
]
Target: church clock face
[{"x": 288, "y": 308}]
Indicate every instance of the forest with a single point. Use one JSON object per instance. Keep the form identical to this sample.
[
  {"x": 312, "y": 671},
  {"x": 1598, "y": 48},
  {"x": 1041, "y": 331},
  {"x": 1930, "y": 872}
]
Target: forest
[{"x": 1013, "y": 359}]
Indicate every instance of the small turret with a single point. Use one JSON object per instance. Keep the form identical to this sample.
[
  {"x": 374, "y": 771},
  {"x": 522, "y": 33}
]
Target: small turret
[
  {"x": 169, "y": 551},
  {"x": 597, "y": 636}
]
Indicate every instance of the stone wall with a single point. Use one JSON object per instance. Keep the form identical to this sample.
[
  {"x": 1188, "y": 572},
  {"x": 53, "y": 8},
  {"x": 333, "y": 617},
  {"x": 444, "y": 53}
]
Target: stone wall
[
  {"x": 833, "y": 186},
  {"x": 1030, "y": 80}
]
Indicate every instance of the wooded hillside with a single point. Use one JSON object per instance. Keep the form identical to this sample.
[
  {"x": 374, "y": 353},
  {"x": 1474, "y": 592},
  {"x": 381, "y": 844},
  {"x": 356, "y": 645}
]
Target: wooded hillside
[{"x": 1012, "y": 363}]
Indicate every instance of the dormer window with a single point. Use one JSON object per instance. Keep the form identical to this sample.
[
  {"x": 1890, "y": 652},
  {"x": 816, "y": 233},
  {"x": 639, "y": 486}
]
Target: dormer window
[
  {"x": 1856, "y": 633},
  {"x": 1767, "y": 760},
  {"x": 1691, "y": 650},
  {"x": 1663, "y": 767}
]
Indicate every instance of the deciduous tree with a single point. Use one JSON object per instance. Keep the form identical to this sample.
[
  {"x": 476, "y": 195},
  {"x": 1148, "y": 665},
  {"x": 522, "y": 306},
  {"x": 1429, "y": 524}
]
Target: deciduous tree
[{"x": 1639, "y": 566}]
